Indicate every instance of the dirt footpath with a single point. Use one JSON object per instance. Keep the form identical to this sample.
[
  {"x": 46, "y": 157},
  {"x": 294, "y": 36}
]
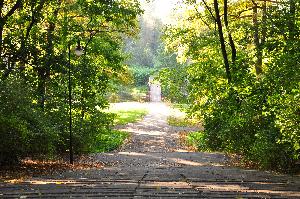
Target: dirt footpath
[{"x": 154, "y": 165}]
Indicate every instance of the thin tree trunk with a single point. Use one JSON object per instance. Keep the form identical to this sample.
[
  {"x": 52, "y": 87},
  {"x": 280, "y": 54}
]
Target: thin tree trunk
[
  {"x": 264, "y": 24},
  {"x": 3, "y": 21},
  {"x": 258, "y": 63},
  {"x": 222, "y": 40},
  {"x": 41, "y": 87},
  {"x": 291, "y": 23},
  {"x": 231, "y": 42},
  {"x": 49, "y": 61},
  {"x": 2, "y": 65}
]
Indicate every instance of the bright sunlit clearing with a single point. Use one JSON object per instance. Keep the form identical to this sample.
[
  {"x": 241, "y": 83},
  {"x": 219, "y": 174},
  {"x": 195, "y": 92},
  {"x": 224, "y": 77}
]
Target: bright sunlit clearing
[{"x": 161, "y": 9}]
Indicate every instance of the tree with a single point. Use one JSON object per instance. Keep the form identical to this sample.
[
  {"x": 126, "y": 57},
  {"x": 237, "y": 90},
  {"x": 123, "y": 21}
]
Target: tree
[
  {"x": 255, "y": 114},
  {"x": 34, "y": 41}
]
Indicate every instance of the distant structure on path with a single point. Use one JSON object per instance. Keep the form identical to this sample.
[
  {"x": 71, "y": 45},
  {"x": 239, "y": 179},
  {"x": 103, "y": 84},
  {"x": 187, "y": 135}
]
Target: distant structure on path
[{"x": 155, "y": 90}]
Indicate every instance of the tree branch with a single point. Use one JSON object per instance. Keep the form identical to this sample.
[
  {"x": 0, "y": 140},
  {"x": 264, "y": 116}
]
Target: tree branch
[
  {"x": 231, "y": 42},
  {"x": 222, "y": 40},
  {"x": 273, "y": 1},
  {"x": 209, "y": 10},
  {"x": 201, "y": 18},
  {"x": 13, "y": 9},
  {"x": 1, "y": 7}
]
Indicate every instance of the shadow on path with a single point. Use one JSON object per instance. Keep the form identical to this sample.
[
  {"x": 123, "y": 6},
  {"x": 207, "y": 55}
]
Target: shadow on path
[{"x": 153, "y": 165}]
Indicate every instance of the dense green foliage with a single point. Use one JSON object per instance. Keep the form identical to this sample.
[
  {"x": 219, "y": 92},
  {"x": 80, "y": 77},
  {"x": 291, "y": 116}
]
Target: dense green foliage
[
  {"x": 197, "y": 140},
  {"x": 242, "y": 76},
  {"x": 23, "y": 130},
  {"x": 35, "y": 37},
  {"x": 174, "y": 83},
  {"x": 141, "y": 74},
  {"x": 182, "y": 121},
  {"x": 109, "y": 141}
]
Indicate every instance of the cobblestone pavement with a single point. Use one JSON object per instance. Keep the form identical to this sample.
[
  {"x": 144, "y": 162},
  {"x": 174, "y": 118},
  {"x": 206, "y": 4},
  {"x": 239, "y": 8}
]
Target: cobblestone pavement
[{"x": 154, "y": 165}]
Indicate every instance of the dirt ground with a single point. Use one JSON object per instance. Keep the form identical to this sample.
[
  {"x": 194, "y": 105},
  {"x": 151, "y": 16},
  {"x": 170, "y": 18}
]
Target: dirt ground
[{"x": 154, "y": 165}]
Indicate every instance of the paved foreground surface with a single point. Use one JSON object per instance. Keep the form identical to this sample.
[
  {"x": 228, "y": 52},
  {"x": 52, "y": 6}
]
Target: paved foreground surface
[{"x": 153, "y": 165}]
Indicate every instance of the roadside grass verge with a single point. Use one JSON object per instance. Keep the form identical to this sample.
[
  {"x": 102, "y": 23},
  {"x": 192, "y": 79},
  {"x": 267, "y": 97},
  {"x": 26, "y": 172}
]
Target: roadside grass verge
[
  {"x": 181, "y": 107},
  {"x": 110, "y": 141},
  {"x": 180, "y": 118},
  {"x": 183, "y": 122},
  {"x": 128, "y": 116},
  {"x": 196, "y": 140}
]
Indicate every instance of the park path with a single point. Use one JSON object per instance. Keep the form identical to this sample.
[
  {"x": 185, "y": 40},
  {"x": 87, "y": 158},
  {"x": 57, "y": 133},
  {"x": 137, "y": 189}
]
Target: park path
[{"x": 154, "y": 165}]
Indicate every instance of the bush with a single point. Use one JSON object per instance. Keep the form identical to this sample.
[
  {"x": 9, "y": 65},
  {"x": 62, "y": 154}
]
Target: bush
[
  {"x": 109, "y": 140},
  {"x": 129, "y": 93},
  {"x": 174, "y": 83},
  {"x": 198, "y": 140},
  {"x": 87, "y": 130},
  {"x": 24, "y": 129},
  {"x": 257, "y": 128},
  {"x": 141, "y": 74}
]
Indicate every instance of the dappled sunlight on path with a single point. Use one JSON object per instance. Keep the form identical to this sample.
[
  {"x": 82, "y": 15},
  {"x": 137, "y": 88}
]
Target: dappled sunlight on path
[
  {"x": 153, "y": 134},
  {"x": 154, "y": 165}
]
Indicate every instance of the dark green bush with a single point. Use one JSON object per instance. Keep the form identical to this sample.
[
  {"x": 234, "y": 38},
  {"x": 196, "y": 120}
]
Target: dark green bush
[
  {"x": 256, "y": 128},
  {"x": 141, "y": 74},
  {"x": 87, "y": 131},
  {"x": 109, "y": 140},
  {"x": 24, "y": 129}
]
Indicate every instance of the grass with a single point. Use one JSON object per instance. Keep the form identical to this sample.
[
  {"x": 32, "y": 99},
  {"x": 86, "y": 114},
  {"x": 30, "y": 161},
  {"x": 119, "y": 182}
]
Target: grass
[
  {"x": 126, "y": 115},
  {"x": 113, "y": 139},
  {"x": 182, "y": 122},
  {"x": 182, "y": 119},
  {"x": 196, "y": 140},
  {"x": 181, "y": 107},
  {"x": 129, "y": 116},
  {"x": 110, "y": 141}
]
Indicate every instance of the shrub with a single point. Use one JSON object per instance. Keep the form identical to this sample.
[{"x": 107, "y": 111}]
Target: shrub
[
  {"x": 141, "y": 74},
  {"x": 24, "y": 129},
  {"x": 109, "y": 140},
  {"x": 264, "y": 131},
  {"x": 198, "y": 140}
]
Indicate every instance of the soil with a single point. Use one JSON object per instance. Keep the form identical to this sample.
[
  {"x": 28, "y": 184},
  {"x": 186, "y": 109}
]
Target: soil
[{"x": 153, "y": 164}]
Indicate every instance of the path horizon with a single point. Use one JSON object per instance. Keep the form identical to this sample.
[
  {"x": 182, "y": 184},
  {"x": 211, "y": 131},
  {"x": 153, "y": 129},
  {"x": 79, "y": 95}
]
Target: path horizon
[{"x": 153, "y": 164}]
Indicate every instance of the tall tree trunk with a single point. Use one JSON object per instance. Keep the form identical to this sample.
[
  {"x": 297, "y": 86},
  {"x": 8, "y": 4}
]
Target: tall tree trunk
[
  {"x": 45, "y": 75},
  {"x": 258, "y": 49},
  {"x": 222, "y": 40},
  {"x": 41, "y": 87},
  {"x": 264, "y": 23},
  {"x": 2, "y": 64},
  {"x": 1, "y": 31},
  {"x": 231, "y": 42},
  {"x": 291, "y": 22}
]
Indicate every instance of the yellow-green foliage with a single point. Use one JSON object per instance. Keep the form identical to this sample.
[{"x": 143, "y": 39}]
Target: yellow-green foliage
[
  {"x": 109, "y": 141},
  {"x": 248, "y": 105},
  {"x": 182, "y": 121}
]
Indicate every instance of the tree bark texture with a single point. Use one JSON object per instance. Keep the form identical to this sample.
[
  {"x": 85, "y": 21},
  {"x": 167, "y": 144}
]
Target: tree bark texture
[
  {"x": 222, "y": 40},
  {"x": 291, "y": 21},
  {"x": 231, "y": 42},
  {"x": 258, "y": 54}
]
